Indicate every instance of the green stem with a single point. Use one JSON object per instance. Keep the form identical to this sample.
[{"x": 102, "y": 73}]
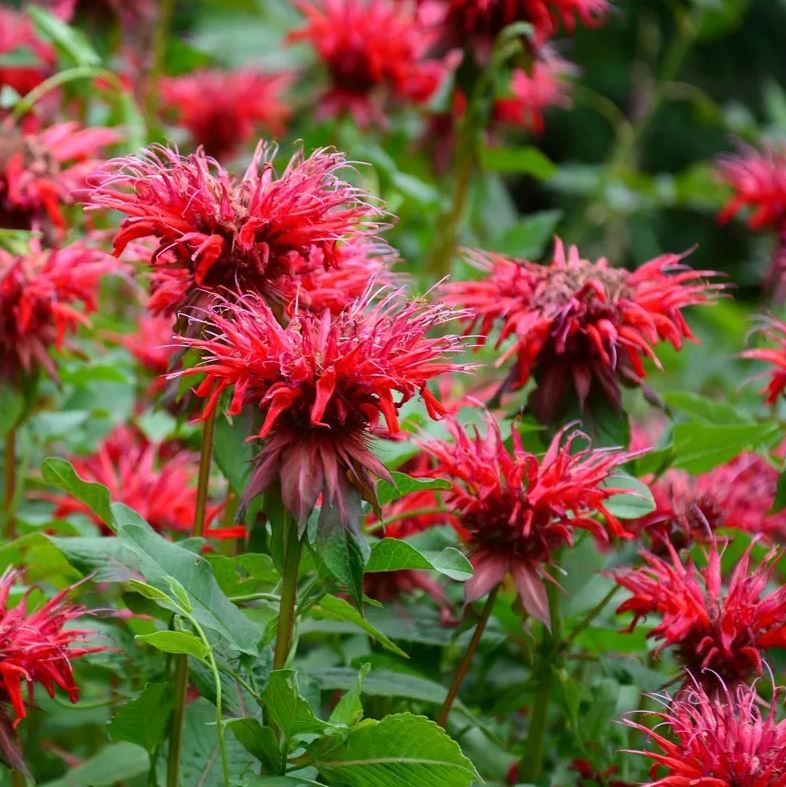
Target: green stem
[
  {"x": 592, "y": 614},
  {"x": 463, "y": 667},
  {"x": 9, "y": 496},
  {"x": 24, "y": 105},
  {"x": 205, "y": 458},
  {"x": 532, "y": 761},
  {"x": 286, "y": 616}
]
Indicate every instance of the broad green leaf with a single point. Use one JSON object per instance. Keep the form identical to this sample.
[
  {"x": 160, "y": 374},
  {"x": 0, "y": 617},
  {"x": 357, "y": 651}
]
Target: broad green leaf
[
  {"x": 287, "y": 709},
  {"x": 60, "y": 473},
  {"x": 400, "y": 749},
  {"x": 114, "y": 763},
  {"x": 335, "y": 608},
  {"x": 143, "y": 720},
  {"x": 529, "y": 236},
  {"x": 349, "y": 710},
  {"x": 523, "y": 160},
  {"x": 68, "y": 41},
  {"x": 105, "y": 558},
  {"x": 393, "y": 554},
  {"x": 383, "y": 683},
  {"x": 343, "y": 551},
  {"x": 232, "y": 453},
  {"x": 404, "y": 484},
  {"x": 704, "y": 408},
  {"x": 175, "y": 642},
  {"x": 629, "y": 505},
  {"x": 280, "y": 781},
  {"x": 258, "y": 739}
]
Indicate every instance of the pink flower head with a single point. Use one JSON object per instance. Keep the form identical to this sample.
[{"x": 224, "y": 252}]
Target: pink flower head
[
  {"x": 40, "y": 171},
  {"x": 373, "y": 49},
  {"x": 726, "y": 632},
  {"x": 775, "y": 332},
  {"x": 323, "y": 383},
  {"x": 157, "y": 480},
  {"x": 39, "y": 293},
  {"x": 18, "y": 33},
  {"x": 222, "y": 110},
  {"x": 580, "y": 324},
  {"x": 544, "y": 86},
  {"x": 716, "y": 739},
  {"x": 36, "y": 648},
  {"x": 217, "y": 232},
  {"x": 515, "y": 510}
]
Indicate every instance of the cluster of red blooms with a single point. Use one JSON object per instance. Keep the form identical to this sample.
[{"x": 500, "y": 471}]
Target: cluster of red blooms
[
  {"x": 578, "y": 324},
  {"x": 39, "y": 293},
  {"x": 726, "y": 632},
  {"x": 722, "y": 738},
  {"x": 758, "y": 181},
  {"x": 257, "y": 234}
]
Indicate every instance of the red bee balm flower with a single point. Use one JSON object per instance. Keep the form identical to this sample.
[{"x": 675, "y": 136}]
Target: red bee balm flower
[
  {"x": 371, "y": 48},
  {"x": 514, "y": 509},
  {"x": 724, "y": 633},
  {"x": 40, "y": 171},
  {"x": 580, "y": 323},
  {"x": 157, "y": 480},
  {"x": 38, "y": 295},
  {"x": 242, "y": 235},
  {"x": 775, "y": 331},
  {"x": 222, "y": 109},
  {"x": 36, "y": 648},
  {"x": 322, "y": 383},
  {"x": 721, "y": 739}
]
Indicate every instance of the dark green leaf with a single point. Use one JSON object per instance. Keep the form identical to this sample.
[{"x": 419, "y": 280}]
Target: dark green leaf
[
  {"x": 343, "y": 551},
  {"x": 114, "y": 763},
  {"x": 258, "y": 739},
  {"x": 12, "y": 405},
  {"x": 288, "y": 710},
  {"x": 392, "y": 554},
  {"x": 529, "y": 236},
  {"x": 60, "y": 473},
  {"x": 633, "y": 504},
  {"x": 523, "y": 161},
  {"x": 699, "y": 446},
  {"x": 144, "y": 719},
  {"x": 349, "y": 710},
  {"x": 232, "y": 453}
]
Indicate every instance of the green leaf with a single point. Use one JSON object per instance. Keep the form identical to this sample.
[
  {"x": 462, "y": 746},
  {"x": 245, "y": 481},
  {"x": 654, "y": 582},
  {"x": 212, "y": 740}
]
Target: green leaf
[
  {"x": 529, "y": 236},
  {"x": 17, "y": 242},
  {"x": 143, "y": 720},
  {"x": 175, "y": 642},
  {"x": 779, "y": 503},
  {"x": 114, "y": 763},
  {"x": 12, "y": 405},
  {"x": 279, "y": 781},
  {"x": 68, "y": 41},
  {"x": 105, "y": 558},
  {"x": 258, "y": 739},
  {"x": 404, "y": 484},
  {"x": 343, "y": 551},
  {"x": 630, "y": 505},
  {"x": 287, "y": 709},
  {"x": 232, "y": 453},
  {"x": 349, "y": 710},
  {"x": 400, "y": 749},
  {"x": 704, "y": 408},
  {"x": 523, "y": 161},
  {"x": 334, "y": 608},
  {"x": 154, "y": 594},
  {"x": 60, "y": 473},
  {"x": 393, "y": 554}
]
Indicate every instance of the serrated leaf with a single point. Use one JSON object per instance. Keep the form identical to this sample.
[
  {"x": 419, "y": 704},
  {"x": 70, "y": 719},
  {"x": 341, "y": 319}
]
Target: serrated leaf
[
  {"x": 60, "y": 473},
  {"x": 404, "y": 484},
  {"x": 288, "y": 710},
  {"x": 349, "y": 710},
  {"x": 175, "y": 642},
  {"x": 143, "y": 720},
  {"x": 399, "y": 749}
]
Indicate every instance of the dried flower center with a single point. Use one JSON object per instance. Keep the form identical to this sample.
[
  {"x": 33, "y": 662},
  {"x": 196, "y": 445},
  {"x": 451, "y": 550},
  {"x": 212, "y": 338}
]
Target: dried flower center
[{"x": 560, "y": 287}]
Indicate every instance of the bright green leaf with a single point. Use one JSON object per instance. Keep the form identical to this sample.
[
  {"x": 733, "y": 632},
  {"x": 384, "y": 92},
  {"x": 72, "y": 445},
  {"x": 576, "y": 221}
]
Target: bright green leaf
[
  {"x": 523, "y": 161},
  {"x": 404, "y": 484},
  {"x": 68, "y": 41},
  {"x": 114, "y": 763},
  {"x": 175, "y": 642},
  {"x": 287, "y": 709},
  {"x": 392, "y": 554},
  {"x": 60, "y": 473}
]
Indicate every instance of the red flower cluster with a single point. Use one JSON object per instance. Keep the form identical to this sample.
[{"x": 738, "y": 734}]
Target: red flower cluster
[
  {"x": 157, "y": 480},
  {"x": 724, "y": 633},
  {"x": 514, "y": 510},
  {"x": 36, "y": 648},
  {"x": 774, "y": 331},
  {"x": 223, "y": 109},
  {"x": 151, "y": 343},
  {"x": 214, "y": 232},
  {"x": 17, "y": 32},
  {"x": 532, "y": 92},
  {"x": 38, "y": 295},
  {"x": 374, "y": 50},
  {"x": 323, "y": 383},
  {"x": 580, "y": 324},
  {"x": 41, "y": 170},
  {"x": 722, "y": 739}
]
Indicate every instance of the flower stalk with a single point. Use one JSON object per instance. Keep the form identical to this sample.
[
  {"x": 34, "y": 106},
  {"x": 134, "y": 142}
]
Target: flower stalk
[{"x": 293, "y": 546}]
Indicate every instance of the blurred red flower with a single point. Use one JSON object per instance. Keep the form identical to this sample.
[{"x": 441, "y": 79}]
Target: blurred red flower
[
  {"x": 151, "y": 344},
  {"x": 222, "y": 110},
  {"x": 720, "y": 739},
  {"x": 514, "y": 510},
  {"x": 40, "y": 171},
  {"x": 18, "y": 33},
  {"x": 323, "y": 383},
  {"x": 373, "y": 50},
  {"x": 774, "y": 331},
  {"x": 215, "y": 232},
  {"x": 157, "y": 480},
  {"x": 580, "y": 324},
  {"x": 35, "y": 647},
  {"x": 726, "y": 633},
  {"x": 39, "y": 293},
  {"x": 543, "y": 87}
]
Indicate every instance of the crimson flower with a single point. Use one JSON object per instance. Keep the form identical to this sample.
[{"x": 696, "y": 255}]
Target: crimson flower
[
  {"x": 36, "y": 648},
  {"x": 373, "y": 50},
  {"x": 151, "y": 343},
  {"x": 245, "y": 235},
  {"x": 223, "y": 109},
  {"x": 40, "y": 171},
  {"x": 532, "y": 92},
  {"x": 17, "y": 32},
  {"x": 39, "y": 293},
  {"x": 323, "y": 384},
  {"x": 515, "y": 510},
  {"x": 775, "y": 332},
  {"x": 726, "y": 632},
  {"x": 157, "y": 480},
  {"x": 719, "y": 739},
  {"x": 580, "y": 324}
]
